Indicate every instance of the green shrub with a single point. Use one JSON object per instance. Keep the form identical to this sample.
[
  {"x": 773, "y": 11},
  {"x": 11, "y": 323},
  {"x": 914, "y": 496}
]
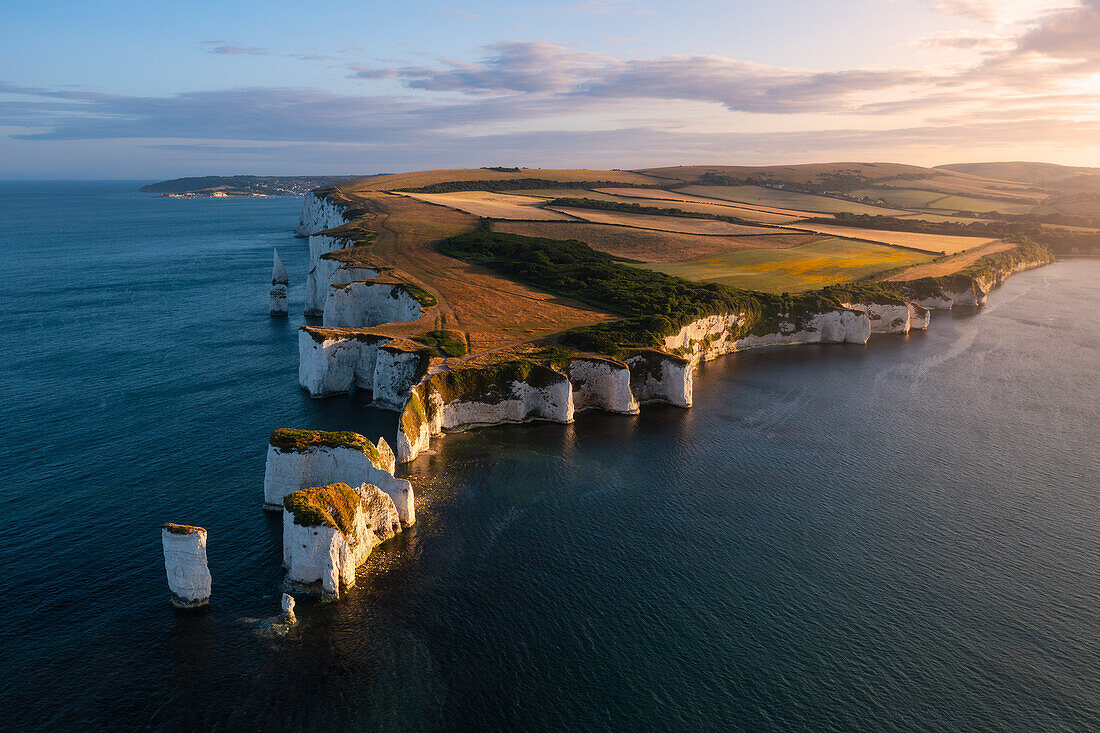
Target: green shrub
[{"x": 443, "y": 343}]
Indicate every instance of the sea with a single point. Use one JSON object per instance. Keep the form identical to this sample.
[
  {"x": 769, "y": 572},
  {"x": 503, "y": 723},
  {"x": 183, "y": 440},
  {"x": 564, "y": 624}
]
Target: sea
[{"x": 901, "y": 536}]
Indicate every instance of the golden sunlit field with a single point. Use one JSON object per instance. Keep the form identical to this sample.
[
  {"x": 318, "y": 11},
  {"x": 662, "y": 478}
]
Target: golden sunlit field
[
  {"x": 492, "y": 205},
  {"x": 665, "y": 223},
  {"x": 750, "y": 211},
  {"x": 937, "y": 243},
  {"x": 808, "y": 267},
  {"x": 804, "y": 202},
  {"x": 648, "y": 245}
]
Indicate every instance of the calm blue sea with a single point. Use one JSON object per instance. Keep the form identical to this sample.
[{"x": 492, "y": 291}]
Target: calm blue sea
[{"x": 903, "y": 536}]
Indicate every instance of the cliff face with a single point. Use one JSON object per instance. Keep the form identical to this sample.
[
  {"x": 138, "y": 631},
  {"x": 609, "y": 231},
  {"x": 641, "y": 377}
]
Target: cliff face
[
  {"x": 712, "y": 336},
  {"x": 319, "y": 458},
  {"x": 318, "y": 214},
  {"x": 362, "y": 304},
  {"x": 334, "y": 362},
  {"x": 602, "y": 384},
  {"x": 185, "y": 564},
  {"x": 516, "y": 392},
  {"x": 893, "y": 317},
  {"x": 324, "y": 271},
  {"x": 328, "y": 531}
]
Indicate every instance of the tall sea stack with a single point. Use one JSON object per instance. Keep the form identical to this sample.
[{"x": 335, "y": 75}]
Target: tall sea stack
[
  {"x": 185, "y": 564},
  {"x": 279, "y": 280}
]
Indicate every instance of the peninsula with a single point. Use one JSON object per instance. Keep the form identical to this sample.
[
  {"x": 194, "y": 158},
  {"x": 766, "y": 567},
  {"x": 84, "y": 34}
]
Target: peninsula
[{"x": 474, "y": 297}]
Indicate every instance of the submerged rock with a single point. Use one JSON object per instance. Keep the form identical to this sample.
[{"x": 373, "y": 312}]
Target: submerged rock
[{"x": 185, "y": 564}]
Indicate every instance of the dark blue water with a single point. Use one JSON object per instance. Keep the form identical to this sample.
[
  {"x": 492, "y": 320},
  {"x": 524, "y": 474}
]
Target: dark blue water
[{"x": 899, "y": 537}]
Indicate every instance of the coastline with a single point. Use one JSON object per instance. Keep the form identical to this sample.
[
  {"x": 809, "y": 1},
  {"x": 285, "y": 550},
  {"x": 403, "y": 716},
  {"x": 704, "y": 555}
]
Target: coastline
[{"x": 435, "y": 397}]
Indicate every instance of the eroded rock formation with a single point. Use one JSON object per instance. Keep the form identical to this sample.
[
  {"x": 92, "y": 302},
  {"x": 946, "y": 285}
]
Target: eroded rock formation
[
  {"x": 300, "y": 459},
  {"x": 279, "y": 281},
  {"x": 185, "y": 564},
  {"x": 328, "y": 531}
]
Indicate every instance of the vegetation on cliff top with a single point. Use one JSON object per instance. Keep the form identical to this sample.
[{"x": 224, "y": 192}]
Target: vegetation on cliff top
[
  {"x": 445, "y": 343},
  {"x": 182, "y": 528},
  {"x": 655, "y": 305},
  {"x": 289, "y": 440},
  {"x": 984, "y": 268},
  {"x": 325, "y": 506},
  {"x": 632, "y": 208}
]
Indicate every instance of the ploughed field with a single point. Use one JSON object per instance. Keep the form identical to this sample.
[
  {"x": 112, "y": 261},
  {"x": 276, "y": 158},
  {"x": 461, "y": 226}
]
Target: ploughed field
[{"x": 741, "y": 227}]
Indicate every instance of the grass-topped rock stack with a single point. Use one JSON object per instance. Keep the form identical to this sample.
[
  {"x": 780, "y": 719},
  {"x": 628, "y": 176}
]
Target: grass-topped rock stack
[
  {"x": 185, "y": 564},
  {"x": 300, "y": 459},
  {"x": 328, "y": 531}
]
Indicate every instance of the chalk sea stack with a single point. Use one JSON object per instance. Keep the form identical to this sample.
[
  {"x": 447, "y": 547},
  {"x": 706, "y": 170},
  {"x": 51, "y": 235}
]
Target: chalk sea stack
[
  {"x": 302, "y": 459},
  {"x": 185, "y": 564},
  {"x": 279, "y": 281},
  {"x": 328, "y": 531}
]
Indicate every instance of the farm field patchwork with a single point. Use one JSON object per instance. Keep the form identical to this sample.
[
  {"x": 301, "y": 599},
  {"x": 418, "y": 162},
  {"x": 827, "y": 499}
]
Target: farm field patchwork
[
  {"x": 666, "y": 223},
  {"x": 936, "y": 243},
  {"x": 904, "y": 198},
  {"x": 418, "y": 179},
  {"x": 648, "y": 245},
  {"x": 796, "y": 269},
  {"x": 983, "y": 206},
  {"x": 804, "y": 202},
  {"x": 492, "y": 205},
  {"x": 655, "y": 197}
]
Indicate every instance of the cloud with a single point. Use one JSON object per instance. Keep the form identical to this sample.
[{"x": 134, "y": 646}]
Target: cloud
[
  {"x": 226, "y": 49},
  {"x": 961, "y": 40},
  {"x": 1000, "y": 11},
  {"x": 543, "y": 67}
]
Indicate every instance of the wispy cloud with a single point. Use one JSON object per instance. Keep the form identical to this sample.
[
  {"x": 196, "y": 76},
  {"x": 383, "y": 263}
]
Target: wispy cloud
[{"x": 228, "y": 49}]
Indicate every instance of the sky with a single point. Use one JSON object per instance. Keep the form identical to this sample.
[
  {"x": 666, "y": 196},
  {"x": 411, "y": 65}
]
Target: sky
[{"x": 151, "y": 90}]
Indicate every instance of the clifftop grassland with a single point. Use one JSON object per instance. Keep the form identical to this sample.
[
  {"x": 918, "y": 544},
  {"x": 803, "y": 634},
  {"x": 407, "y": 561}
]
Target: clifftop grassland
[{"x": 521, "y": 263}]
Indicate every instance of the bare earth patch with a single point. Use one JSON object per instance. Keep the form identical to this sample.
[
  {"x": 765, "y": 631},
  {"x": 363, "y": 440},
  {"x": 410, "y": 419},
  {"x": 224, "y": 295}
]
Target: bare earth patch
[
  {"x": 647, "y": 245},
  {"x": 492, "y": 311}
]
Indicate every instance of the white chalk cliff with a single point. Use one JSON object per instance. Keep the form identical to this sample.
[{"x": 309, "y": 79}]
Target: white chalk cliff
[
  {"x": 300, "y": 459},
  {"x": 893, "y": 317},
  {"x": 326, "y": 269},
  {"x": 185, "y": 564},
  {"x": 337, "y": 362},
  {"x": 362, "y": 304},
  {"x": 318, "y": 214}
]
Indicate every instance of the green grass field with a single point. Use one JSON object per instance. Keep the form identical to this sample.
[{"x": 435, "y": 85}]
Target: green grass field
[
  {"x": 903, "y": 198},
  {"x": 796, "y": 269},
  {"x": 765, "y": 196}
]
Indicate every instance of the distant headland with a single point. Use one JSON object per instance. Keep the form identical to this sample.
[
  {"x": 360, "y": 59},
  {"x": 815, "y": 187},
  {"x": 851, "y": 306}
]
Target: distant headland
[{"x": 254, "y": 186}]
